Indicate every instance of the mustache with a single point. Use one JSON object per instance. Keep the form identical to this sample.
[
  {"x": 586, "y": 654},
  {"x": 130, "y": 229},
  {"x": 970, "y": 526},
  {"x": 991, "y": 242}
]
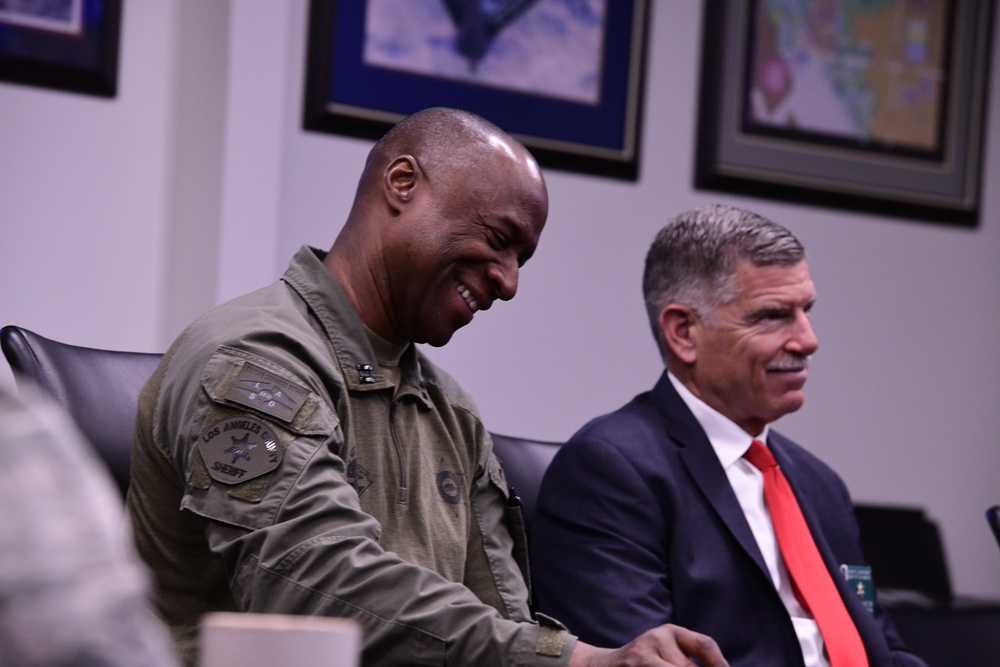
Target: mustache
[{"x": 789, "y": 362}]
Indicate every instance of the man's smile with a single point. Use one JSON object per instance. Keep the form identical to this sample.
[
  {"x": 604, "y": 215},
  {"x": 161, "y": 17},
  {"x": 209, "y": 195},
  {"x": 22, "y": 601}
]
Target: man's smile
[{"x": 466, "y": 295}]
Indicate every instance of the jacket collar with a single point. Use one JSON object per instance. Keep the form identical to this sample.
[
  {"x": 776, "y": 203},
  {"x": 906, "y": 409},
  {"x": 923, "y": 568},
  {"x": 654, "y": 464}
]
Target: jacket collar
[{"x": 310, "y": 279}]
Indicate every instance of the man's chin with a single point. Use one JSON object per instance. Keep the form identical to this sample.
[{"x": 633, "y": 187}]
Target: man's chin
[
  {"x": 436, "y": 339},
  {"x": 791, "y": 404}
]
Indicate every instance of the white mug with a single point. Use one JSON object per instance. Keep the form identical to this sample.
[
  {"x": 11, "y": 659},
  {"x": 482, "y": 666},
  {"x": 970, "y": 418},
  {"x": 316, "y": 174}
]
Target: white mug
[{"x": 230, "y": 639}]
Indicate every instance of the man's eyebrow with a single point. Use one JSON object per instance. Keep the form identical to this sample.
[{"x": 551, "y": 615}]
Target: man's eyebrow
[
  {"x": 779, "y": 307},
  {"x": 770, "y": 308}
]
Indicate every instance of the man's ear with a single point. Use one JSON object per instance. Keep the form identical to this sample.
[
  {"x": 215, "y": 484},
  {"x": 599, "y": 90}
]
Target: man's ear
[
  {"x": 400, "y": 178},
  {"x": 679, "y": 327}
]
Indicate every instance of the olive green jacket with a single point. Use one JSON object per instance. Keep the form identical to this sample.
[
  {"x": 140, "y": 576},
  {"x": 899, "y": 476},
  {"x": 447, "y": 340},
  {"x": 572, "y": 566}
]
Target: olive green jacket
[{"x": 275, "y": 469}]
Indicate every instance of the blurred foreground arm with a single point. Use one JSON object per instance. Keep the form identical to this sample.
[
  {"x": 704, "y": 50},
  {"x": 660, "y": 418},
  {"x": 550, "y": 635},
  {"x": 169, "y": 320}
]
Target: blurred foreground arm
[{"x": 71, "y": 591}]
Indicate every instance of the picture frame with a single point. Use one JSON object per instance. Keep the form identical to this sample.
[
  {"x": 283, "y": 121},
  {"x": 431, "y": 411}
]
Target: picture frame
[
  {"x": 350, "y": 91},
  {"x": 70, "y": 46},
  {"x": 923, "y": 163}
]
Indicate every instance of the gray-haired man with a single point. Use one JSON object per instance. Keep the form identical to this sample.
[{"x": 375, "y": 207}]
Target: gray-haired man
[{"x": 652, "y": 514}]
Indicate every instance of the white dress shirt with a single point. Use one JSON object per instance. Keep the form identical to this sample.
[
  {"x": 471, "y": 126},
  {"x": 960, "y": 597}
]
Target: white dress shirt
[{"x": 730, "y": 443}]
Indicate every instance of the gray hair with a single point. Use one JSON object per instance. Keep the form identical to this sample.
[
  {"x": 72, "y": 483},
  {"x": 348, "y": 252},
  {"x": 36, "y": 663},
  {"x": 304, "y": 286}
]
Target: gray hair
[{"x": 692, "y": 260}]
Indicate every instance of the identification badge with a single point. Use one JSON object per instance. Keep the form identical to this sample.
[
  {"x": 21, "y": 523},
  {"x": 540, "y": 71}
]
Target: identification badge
[
  {"x": 859, "y": 580},
  {"x": 238, "y": 449}
]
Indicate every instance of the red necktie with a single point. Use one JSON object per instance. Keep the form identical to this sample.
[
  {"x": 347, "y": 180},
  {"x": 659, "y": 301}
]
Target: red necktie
[{"x": 809, "y": 573}]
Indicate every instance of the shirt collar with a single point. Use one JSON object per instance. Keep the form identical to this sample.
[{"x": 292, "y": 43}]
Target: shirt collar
[
  {"x": 729, "y": 441},
  {"x": 329, "y": 304}
]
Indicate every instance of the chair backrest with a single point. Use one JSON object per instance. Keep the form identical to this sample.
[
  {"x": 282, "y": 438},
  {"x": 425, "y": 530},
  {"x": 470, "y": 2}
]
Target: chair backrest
[
  {"x": 905, "y": 551},
  {"x": 98, "y": 388},
  {"x": 524, "y": 463}
]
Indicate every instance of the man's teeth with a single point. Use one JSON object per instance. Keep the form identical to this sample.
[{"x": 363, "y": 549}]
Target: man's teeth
[{"x": 467, "y": 295}]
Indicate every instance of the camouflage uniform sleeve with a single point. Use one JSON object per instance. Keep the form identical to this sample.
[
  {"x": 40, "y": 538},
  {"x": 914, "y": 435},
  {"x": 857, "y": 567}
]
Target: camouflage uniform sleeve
[{"x": 71, "y": 589}]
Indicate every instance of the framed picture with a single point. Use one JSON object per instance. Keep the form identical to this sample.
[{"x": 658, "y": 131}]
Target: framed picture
[
  {"x": 69, "y": 45},
  {"x": 564, "y": 77},
  {"x": 867, "y": 106}
]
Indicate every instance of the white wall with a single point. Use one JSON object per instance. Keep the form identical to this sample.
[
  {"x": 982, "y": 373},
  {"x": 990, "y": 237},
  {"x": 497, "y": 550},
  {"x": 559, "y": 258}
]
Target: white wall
[
  {"x": 109, "y": 208},
  {"x": 123, "y": 219},
  {"x": 84, "y": 196}
]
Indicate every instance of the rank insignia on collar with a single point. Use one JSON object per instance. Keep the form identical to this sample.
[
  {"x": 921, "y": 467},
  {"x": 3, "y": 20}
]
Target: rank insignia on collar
[
  {"x": 238, "y": 449},
  {"x": 366, "y": 373}
]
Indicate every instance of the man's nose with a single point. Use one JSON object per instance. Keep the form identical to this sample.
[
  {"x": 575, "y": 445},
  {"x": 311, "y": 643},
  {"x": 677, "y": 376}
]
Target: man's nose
[
  {"x": 804, "y": 340},
  {"x": 504, "y": 275}
]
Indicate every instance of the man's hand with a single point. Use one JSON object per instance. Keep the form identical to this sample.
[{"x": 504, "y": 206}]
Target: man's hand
[{"x": 665, "y": 646}]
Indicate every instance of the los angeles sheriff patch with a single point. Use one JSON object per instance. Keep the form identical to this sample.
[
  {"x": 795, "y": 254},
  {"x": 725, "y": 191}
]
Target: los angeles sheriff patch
[{"x": 238, "y": 449}]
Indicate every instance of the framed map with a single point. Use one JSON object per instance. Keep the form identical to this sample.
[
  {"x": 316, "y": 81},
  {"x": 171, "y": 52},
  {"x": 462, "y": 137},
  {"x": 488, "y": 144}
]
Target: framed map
[
  {"x": 69, "y": 45},
  {"x": 563, "y": 76},
  {"x": 875, "y": 106}
]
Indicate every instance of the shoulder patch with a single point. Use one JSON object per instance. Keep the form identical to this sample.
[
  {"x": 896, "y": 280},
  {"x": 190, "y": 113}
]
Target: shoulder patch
[
  {"x": 238, "y": 449},
  {"x": 264, "y": 391}
]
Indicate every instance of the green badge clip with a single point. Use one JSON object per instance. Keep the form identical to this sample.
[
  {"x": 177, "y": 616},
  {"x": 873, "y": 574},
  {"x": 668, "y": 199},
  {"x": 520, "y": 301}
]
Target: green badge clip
[{"x": 859, "y": 580}]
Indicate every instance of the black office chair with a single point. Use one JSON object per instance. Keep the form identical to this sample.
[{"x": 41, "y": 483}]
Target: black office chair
[
  {"x": 906, "y": 553},
  {"x": 524, "y": 463},
  {"x": 98, "y": 388},
  {"x": 905, "y": 550}
]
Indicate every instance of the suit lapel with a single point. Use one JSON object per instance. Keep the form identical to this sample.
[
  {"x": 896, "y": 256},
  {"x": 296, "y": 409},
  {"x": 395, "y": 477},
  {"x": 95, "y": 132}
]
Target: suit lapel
[{"x": 699, "y": 458}]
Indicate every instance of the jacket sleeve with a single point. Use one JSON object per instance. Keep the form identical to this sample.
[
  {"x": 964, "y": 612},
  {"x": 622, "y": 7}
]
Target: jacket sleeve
[
  {"x": 295, "y": 540},
  {"x": 600, "y": 562}
]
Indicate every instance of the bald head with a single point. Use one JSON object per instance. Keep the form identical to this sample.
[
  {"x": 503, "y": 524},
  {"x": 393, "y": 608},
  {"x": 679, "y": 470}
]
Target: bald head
[
  {"x": 444, "y": 142},
  {"x": 449, "y": 207}
]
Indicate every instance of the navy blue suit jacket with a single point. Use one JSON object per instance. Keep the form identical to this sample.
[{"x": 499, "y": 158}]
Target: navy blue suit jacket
[{"x": 637, "y": 525}]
